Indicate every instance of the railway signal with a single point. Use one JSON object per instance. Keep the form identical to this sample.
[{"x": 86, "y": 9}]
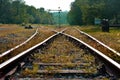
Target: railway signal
[{"x": 59, "y": 10}]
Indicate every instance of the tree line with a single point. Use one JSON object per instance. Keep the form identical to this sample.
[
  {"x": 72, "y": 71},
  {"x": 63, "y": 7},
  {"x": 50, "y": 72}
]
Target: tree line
[
  {"x": 85, "y": 11},
  {"x": 63, "y": 17},
  {"x": 17, "y": 12}
]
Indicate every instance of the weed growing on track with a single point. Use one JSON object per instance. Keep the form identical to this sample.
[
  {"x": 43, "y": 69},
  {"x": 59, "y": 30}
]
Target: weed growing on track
[
  {"x": 63, "y": 51},
  {"x": 42, "y": 35},
  {"x": 12, "y": 35},
  {"x": 31, "y": 72},
  {"x": 111, "y": 38}
]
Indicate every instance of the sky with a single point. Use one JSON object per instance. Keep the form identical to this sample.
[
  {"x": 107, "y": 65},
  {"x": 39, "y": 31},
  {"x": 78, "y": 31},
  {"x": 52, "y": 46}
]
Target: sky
[{"x": 50, "y": 4}]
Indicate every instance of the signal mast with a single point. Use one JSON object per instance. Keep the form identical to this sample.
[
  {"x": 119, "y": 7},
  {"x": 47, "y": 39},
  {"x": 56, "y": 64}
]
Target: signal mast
[{"x": 59, "y": 10}]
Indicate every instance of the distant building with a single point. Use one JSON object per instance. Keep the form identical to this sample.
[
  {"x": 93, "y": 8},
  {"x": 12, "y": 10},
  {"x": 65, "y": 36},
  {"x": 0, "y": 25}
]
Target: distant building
[{"x": 97, "y": 21}]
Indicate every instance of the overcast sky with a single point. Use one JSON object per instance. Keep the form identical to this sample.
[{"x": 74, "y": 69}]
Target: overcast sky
[{"x": 50, "y": 4}]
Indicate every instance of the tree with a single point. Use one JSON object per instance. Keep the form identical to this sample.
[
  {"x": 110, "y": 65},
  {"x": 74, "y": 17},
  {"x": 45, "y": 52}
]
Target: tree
[
  {"x": 46, "y": 17},
  {"x": 75, "y": 15},
  {"x": 5, "y": 8},
  {"x": 63, "y": 17},
  {"x": 91, "y": 9},
  {"x": 19, "y": 13},
  {"x": 16, "y": 11}
]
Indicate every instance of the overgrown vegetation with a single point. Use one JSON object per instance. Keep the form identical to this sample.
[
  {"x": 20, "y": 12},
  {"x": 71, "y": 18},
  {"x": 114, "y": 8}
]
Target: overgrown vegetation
[
  {"x": 111, "y": 39},
  {"x": 42, "y": 35},
  {"x": 64, "y": 52},
  {"x": 12, "y": 35}
]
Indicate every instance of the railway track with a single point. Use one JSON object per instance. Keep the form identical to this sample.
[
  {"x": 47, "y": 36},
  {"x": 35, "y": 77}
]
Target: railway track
[
  {"x": 94, "y": 43},
  {"x": 61, "y": 56},
  {"x": 31, "y": 37},
  {"x": 39, "y": 35}
]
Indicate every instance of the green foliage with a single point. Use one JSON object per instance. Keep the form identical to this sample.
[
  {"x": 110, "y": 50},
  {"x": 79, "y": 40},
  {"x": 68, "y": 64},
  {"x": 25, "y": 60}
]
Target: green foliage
[
  {"x": 16, "y": 11},
  {"x": 75, "y": 15},
  {"x": 91, "y": 9},
  {"x": 63, "y": 17}
]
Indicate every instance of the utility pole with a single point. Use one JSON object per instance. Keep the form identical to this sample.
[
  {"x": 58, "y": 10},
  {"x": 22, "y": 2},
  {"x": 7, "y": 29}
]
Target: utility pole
[{"x": 59, "y": 10}]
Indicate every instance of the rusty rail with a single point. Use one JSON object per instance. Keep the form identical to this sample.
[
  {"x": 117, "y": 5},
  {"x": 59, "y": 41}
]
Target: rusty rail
[
  {"x": 107, "y": 60},
  {"x": 11, "y": 61},
  {"x": 31, "y": 37},
  {"x": 112, "y": 50},
  {"x": 115, "y": 67}
]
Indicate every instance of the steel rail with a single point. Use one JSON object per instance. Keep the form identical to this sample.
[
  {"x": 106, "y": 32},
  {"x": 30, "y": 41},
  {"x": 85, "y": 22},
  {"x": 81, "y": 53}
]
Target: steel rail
[
  {"x": 112, "y": 50},
  {"x": 110, "y": 62},
  {"x": 22, "y": 54},
  {"x": 31, "y": 37},
  {"x": 28, "y": 50}
]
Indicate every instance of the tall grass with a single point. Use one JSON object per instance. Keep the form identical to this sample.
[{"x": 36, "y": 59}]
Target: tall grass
[
  {"x": 111, "y": 39},
  {"x": 12, "y": 35},
  {"x": 42, "y": 35}
]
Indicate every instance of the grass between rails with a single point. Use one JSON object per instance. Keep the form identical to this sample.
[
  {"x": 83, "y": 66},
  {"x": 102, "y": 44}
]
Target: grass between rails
[
  {"x": 97, "y": 32},
  {"x": 63, "y": 51},
  {"x": 42, "y": 35}
]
